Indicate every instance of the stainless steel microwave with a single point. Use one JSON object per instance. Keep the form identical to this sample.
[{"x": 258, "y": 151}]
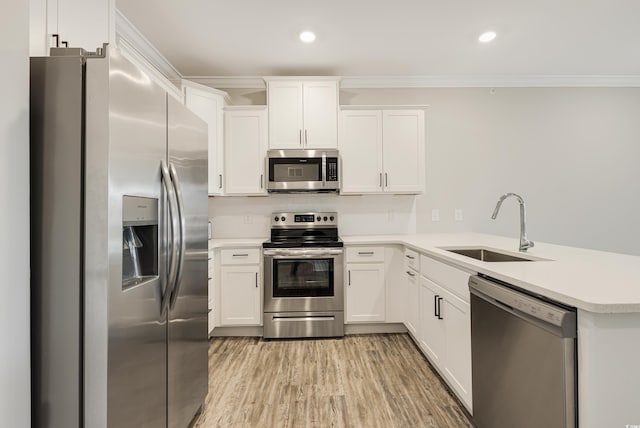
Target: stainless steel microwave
[{"x": 302, "y": 170}]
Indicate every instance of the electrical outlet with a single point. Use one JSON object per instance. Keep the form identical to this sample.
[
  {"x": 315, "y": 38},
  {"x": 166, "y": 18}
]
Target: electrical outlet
[
  {"x": 390, "y": 216},
  {"x": 248, "y": 219},
  {"x": 457, "y": 214},
  {"x": 435, "y": 215}
]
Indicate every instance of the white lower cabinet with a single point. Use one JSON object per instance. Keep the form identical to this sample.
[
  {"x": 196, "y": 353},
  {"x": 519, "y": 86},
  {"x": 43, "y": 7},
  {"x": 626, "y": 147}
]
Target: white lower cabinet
[
  {"x": 364, "y": 284},
  {"x": 365, "y": 293},
  {"x": 413, "y": 303},
  {"x": 240, "y": 288},
  {"x": 432, "y": 331},
  {"x": 210, "y": 294},
  {"x": 444, "y": 334}
]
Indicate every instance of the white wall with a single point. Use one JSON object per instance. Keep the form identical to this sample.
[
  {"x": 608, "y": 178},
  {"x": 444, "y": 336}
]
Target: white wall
[
  {"x": 15, "y": 397},
  {"x": 250, "y": 217},
  {"x": 572, "y": 153}
]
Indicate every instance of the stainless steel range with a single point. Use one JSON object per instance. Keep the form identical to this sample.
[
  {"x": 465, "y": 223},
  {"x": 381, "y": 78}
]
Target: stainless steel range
[{"x": 303, "y": 271}]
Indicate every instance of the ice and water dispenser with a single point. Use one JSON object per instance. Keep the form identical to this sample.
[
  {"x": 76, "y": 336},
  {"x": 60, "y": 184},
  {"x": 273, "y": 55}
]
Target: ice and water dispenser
[{"x": 139, "y": 240}]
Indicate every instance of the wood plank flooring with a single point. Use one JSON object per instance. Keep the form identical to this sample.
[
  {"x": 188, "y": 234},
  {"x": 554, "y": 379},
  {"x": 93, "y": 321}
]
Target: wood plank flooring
[{"x": 379, "y": 380}]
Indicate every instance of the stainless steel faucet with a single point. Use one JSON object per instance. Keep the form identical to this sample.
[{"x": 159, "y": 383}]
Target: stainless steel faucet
[{"x": 524, "y": 242}]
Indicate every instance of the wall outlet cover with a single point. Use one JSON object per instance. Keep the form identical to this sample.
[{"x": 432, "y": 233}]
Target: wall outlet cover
[
  {"x": 435, "y": 215},
  {"x": 457, "y": 214}
]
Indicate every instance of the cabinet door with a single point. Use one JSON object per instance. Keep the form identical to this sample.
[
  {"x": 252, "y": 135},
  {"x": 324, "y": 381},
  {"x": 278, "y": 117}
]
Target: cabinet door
[
  {"x": 365, "y": 292},
  {"x": 285, "y": 114},
  {"x": 208, "y": 107},
  {"x": 245, "y": 150},
  {"x": 413, "y": 306},
  {"x": 432, "y": 338},
  {"x": 240, "y": 295},
  {"x": 82, "y": 23},
  {"x": 360, "y": 145},
  {"x": 456, "y": 313},
  {"x": 320, "y": 115},
  {"x": 403, "y": 150}
]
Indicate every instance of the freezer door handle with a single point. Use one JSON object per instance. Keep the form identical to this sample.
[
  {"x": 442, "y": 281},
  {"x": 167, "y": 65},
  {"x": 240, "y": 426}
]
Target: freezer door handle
[
  {"x": 174, "y": 224},
  {"x": 182, "y": 247}
]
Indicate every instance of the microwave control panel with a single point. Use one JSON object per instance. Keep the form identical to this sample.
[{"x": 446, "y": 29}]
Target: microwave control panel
[{"x": 332, "y": 169}]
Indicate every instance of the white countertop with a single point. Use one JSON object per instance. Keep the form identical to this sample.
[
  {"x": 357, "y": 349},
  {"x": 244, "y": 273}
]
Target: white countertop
[
  {"x": 595, "y": 281},
  {"x": 237, "y": 243}
]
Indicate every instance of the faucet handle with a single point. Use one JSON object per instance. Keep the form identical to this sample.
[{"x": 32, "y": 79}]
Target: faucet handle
[{"x": 525, "y": 244}]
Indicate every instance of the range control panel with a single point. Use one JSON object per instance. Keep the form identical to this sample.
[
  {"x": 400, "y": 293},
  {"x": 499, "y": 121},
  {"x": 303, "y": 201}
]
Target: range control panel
[{"x": 304, "y": 220}]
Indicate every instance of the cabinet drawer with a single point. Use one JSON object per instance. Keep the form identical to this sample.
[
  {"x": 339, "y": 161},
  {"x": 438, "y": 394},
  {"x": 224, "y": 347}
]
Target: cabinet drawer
[
  {"x": 365, "y": 254},
  {"x": 453, "y": 279},
  {"x": 241, "y": 256},
  {"x": 411, "y": 260}
]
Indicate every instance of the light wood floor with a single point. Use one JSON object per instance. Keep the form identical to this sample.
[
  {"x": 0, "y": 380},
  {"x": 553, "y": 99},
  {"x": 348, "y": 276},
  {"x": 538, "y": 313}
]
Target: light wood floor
[{"x": 367, "y": 381}]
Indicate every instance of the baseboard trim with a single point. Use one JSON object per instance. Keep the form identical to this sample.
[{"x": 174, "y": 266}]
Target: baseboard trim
[
  {"x": 374, "y": 328},
  {"x": 248, "y": 331},
  {"x": 368, "y": 328}
]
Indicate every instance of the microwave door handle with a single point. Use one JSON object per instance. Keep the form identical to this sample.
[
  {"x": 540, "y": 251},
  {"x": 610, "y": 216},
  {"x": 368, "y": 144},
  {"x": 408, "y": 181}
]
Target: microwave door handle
[{"x": 324, "y": 170}]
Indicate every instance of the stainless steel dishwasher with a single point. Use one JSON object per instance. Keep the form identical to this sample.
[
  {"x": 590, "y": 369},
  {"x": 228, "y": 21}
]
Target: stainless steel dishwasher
[{"x": 523, "y": 358}]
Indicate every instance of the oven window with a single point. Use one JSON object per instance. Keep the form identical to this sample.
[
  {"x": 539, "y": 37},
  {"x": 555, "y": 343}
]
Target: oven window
[
  {"x": 294, "y": 169},
  {"x": 303, "y": 277}
]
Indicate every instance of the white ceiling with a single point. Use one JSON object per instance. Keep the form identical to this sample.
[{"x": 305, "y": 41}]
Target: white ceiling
[{"x": 392, "y": 37}]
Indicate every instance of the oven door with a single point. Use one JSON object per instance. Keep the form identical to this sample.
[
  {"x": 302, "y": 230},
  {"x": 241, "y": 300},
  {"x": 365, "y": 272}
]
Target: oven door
[{"x": 303, "y": 280}]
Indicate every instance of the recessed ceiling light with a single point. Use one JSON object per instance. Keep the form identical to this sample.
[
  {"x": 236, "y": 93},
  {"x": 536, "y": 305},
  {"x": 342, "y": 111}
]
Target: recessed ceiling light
[
  {"x": 487, "y": 36},
  {"x": 307, "y": 36}
]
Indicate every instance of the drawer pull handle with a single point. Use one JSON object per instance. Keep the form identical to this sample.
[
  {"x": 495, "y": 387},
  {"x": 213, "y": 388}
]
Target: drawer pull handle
[
  {"x": 410, "y": 257},
  {"x": 365, "y": 253},
  {"x": 411, "y": 273},
  {"x": 256, "y": 279},
  {"x": 241, "y": 255}
]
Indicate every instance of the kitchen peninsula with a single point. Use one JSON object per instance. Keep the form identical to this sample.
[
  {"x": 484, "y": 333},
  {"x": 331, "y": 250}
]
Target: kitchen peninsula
[{"x": 603, "y": 286}]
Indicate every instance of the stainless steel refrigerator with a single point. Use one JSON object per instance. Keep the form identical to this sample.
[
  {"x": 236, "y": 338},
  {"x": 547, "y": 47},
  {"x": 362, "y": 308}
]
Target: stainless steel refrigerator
[{"x": 119, "y": 246}]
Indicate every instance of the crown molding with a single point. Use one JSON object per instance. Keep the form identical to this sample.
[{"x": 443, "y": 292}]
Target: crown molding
[
  {"x": 125, "y": 30},
  {"x": 230, "y": 82},
  {"x": 488, "y": 81},
  {"x": 441, "y": 81}
]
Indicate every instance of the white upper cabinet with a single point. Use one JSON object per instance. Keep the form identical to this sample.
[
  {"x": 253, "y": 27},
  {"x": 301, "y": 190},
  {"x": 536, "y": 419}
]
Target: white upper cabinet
[
  {"x": 320, "y": 114},
  {"x": 303, "y": 114},
  {"x": 208, "y": 104},
  {"x": 245, "y": 150},
  {"x": 382, "y": 151},
  {"x": 78, "y": 23},
  {"x": 361, "y": 151},
  {"x": 403, "y": 150}
]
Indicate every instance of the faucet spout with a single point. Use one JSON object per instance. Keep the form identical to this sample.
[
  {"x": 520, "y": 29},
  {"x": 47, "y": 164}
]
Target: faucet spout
[{"x": 524, "y": 242}]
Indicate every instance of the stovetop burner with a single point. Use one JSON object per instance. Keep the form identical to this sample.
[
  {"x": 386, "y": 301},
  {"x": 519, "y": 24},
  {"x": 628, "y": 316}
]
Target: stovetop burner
[{"x": 309, "y": 229}]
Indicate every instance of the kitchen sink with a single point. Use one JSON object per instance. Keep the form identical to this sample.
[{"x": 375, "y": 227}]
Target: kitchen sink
[{"x": 487, "y": 255}]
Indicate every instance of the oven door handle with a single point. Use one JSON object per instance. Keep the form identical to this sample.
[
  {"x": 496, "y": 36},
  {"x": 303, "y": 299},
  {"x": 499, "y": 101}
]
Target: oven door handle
[{"x": 302, "y": 253}]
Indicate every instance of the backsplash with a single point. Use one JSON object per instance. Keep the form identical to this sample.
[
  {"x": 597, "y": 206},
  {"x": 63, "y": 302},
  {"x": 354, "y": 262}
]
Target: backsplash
[{"x": 250, "y": 217}]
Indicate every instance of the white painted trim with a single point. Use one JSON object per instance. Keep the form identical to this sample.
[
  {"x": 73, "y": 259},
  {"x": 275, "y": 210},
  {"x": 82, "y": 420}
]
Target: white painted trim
[
  {"x": 303, "y": 78},
  {"x": 251, "y": 331},
  {"x": 205, "y": 88},
  {"x": 133, "y": 55},
  {"x": 127, "y": 31},
  {"x": 471, "y": 81},
  {"x": 460, "y": 81},
  {"x": 385, "y": 107},
  {"x": 226, "y": 82},
  {"x": 374, "y": 328},
  {"x": 256, "y": 107}
]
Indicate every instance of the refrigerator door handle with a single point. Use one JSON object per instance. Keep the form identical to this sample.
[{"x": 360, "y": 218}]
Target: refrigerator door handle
[
  {"x": 173, "y": 220},
  {"x": 183, "y": 243}
]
